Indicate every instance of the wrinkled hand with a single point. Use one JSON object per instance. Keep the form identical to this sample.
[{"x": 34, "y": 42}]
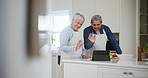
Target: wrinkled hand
[
  {"x": 92, "y": 37},
  {"x": 79, "y": 45}
]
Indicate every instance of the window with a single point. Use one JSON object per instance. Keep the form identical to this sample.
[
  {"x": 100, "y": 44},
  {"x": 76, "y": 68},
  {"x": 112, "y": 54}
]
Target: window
[
  {"x": 43, "y": 28},
  {"x": 42, "y": 25},
  {"x": 59, "y": 20}
]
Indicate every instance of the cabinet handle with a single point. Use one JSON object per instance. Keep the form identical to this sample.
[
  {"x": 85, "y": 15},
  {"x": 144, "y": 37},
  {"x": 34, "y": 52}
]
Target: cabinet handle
[
  {"x": 130, "y": 73},
  {"x": 125, "y": 73}
]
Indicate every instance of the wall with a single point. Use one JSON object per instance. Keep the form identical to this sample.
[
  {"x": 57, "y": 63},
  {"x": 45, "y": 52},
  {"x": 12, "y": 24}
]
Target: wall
[
  {"x": 125, "y": 17},
  {"x": 128, "y": 26},
  {"x": 61, "y": 5},
  {"x": 87, "y": 9}
]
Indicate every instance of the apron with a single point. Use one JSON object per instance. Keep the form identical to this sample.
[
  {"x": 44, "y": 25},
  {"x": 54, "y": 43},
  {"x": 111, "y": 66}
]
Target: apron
[
  {"x": 100, "y": 43},
  {"x": 73, "y": 42},
  {"x": 65, "y": 55}
]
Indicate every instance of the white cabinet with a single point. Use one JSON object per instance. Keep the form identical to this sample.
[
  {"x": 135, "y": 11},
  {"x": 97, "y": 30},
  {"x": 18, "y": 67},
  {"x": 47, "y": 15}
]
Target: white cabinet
[
  {"x": 111, "y": 73},
  {"x": 72, "y": 70},
  {"x": 89, "y": 70},
  {"x": 121, "y": 73},
  {"x": 55, "y": 67},
  {"x": 138, "y": 74},
  {"x": 110, "y": 12}
]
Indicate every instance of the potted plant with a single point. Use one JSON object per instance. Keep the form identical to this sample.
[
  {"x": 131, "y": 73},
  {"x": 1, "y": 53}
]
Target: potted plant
[{"x": 145, "y": 48}]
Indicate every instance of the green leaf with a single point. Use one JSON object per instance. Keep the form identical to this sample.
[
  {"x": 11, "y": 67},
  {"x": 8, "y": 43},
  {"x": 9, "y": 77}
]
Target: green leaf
[{"x": 145, "y": 48}]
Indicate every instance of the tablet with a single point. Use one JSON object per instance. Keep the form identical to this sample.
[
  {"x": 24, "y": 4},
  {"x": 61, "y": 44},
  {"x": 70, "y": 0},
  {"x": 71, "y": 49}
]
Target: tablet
[{"x": 101, "y": 55}]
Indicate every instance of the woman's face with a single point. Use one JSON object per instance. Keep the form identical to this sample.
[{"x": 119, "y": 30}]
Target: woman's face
[
  {"x": 96, "y": 25},
  {"x": 76, "y": 24}
]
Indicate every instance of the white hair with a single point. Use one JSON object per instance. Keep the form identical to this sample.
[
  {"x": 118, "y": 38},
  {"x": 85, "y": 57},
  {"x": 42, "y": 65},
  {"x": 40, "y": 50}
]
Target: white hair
[{"x": 78, "y": 16}]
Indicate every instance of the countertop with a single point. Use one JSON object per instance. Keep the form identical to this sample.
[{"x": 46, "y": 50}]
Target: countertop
[{"x": 123, "y": 61}]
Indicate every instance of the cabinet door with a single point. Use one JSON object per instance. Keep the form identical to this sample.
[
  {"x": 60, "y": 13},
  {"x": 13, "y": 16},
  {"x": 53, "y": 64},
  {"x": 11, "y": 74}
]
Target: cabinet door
[
  {"x": 121, "y": 73},
  {"x": 110, "y": 12},
  {"x": 72, "y": 70},
  {"x": 138, "y": 74},
  {"x": 111, "y": 73},
  {"x": 143, "y": 4},
  {"x": 55, "y": 66}
]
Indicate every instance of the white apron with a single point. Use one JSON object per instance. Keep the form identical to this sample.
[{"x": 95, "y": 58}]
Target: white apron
[
  {"x": 100, "y": 43},
  {"x": 73, "y": 42},
  {"x": 64, "y": 55}
]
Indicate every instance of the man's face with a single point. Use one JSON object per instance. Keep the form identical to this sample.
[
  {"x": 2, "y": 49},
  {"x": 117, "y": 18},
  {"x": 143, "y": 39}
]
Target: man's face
[
  {"x": 96, "y": 25},
  {"x": 76, "y": 24}
]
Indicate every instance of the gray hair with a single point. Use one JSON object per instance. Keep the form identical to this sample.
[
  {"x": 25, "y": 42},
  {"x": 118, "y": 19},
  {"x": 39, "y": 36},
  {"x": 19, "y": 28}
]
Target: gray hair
[
  {"x": 96, "y": 18},
  {"x": 78, "y": 16}
]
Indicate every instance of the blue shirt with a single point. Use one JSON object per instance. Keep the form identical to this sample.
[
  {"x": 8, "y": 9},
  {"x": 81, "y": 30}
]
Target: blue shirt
[{"x": 88, "y": 44}]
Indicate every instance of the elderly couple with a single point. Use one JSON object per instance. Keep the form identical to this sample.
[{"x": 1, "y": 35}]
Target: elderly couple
[{"x": 95, "y": 38}]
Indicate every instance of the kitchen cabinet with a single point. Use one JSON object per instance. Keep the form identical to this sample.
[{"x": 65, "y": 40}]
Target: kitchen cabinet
[
  {"x": 143, "y": 22},
  {"x": 124, "y": 68},
  {"x": 72, "y": 70},
  {"x": 108, "y": 72},
  {"x": 55, "y": 66},
  {"x": 111, "y": 73}
]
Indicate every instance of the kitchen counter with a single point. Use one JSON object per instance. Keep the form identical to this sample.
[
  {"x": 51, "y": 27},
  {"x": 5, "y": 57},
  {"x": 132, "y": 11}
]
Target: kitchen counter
[
  {"x": 124, "y": 66},
  {"x": 114, "y": 62}
]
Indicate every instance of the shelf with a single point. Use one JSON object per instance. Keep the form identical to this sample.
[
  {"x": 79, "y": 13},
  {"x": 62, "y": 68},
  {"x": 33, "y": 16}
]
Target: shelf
[
  {"x": 144, "y": 14},
  {"x": 143, "y": 34},
  {"x": 145, "y": 24},
  {"x": 144, "y": 10}
]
